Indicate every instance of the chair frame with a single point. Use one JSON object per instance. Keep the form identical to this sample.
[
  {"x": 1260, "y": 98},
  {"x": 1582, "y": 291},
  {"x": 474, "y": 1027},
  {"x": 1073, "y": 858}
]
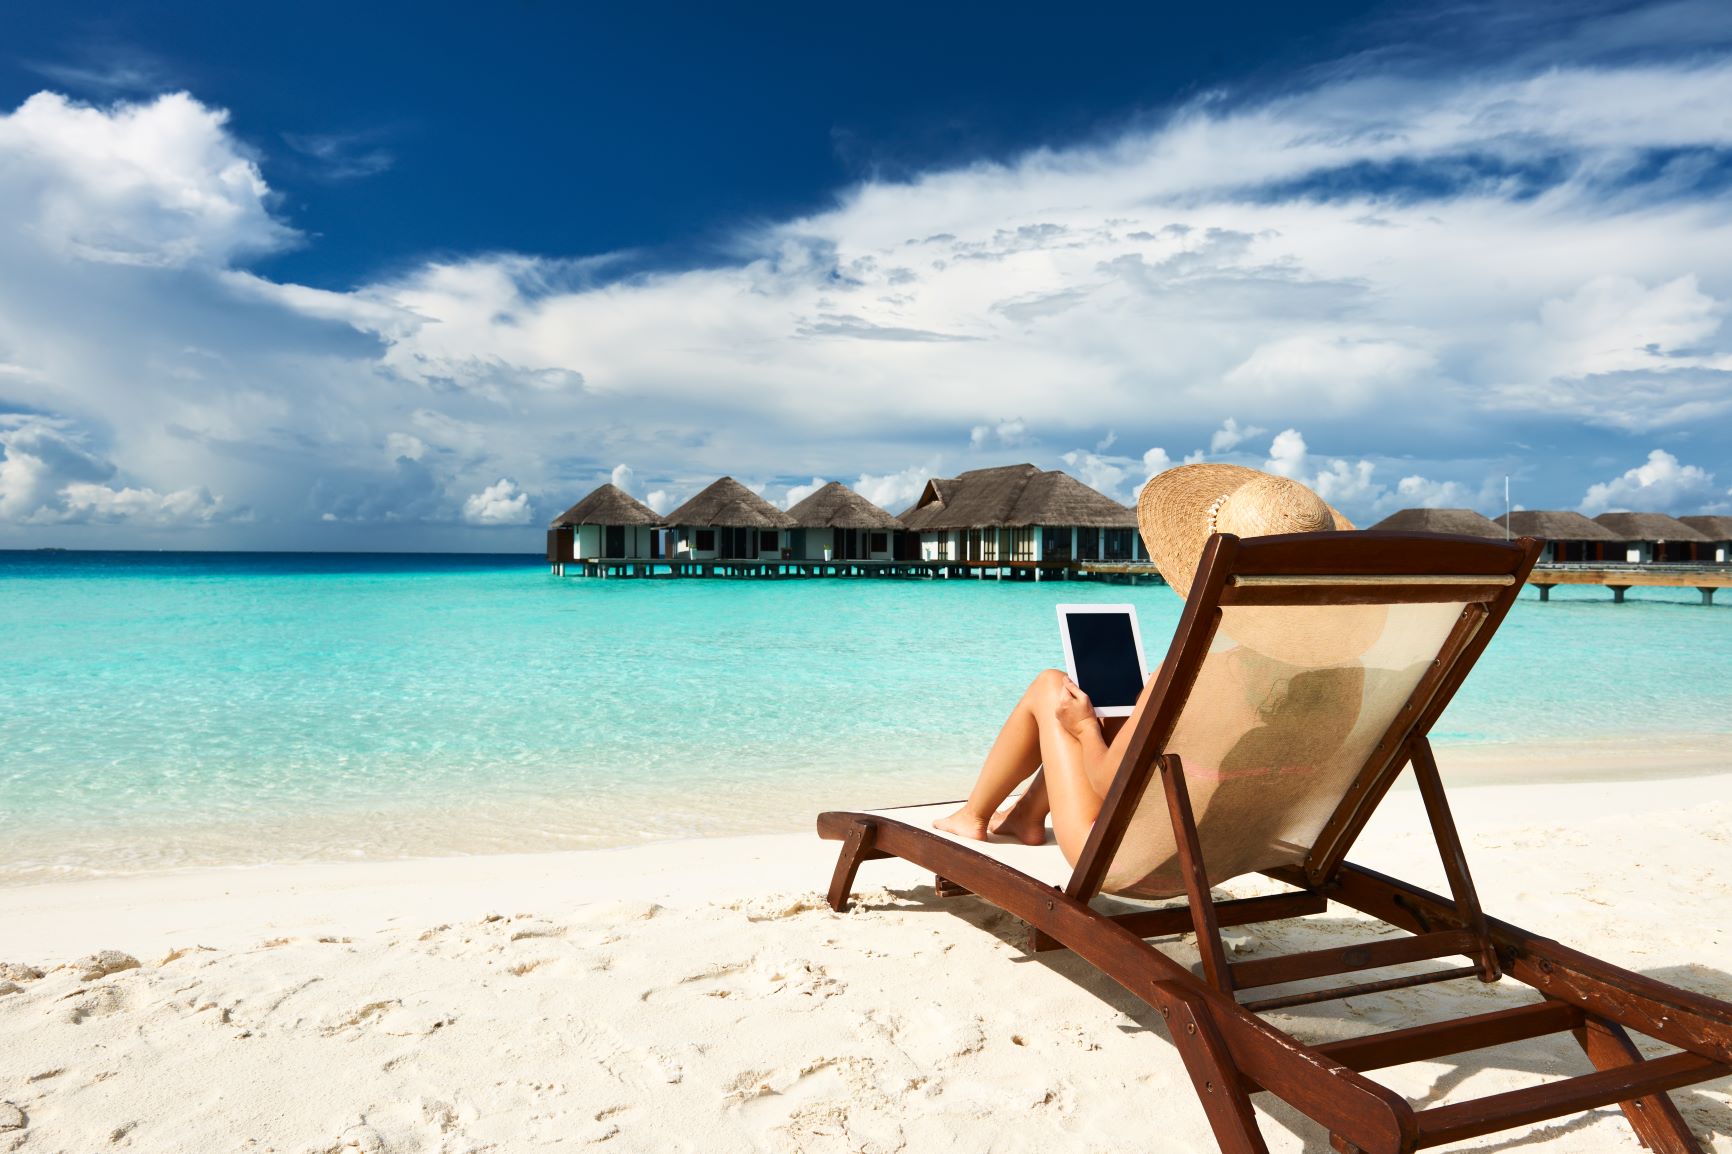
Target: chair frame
[{"x": 1229, "y": 1051}]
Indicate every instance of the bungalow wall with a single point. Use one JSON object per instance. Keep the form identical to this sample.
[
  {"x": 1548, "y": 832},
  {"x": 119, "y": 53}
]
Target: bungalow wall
[
  {"x": 1047, "y": 543},
  {"x": 615, "y": 542},
  {"x": 724, "y": 543},
  {"x": 844, "y": 544}
]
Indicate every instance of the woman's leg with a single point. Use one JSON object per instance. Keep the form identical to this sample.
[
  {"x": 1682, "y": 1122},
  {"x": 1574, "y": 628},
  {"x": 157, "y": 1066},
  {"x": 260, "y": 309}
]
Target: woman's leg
[
  {"x": 1014, "y": 756},
  {"x": 1026, "y": 820}
]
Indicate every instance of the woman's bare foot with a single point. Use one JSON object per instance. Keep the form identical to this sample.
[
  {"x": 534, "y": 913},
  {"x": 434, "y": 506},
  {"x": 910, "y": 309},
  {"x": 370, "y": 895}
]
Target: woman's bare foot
[
  {"x": 1025, "y": 821},
  {"x": 963, "y": 824}
]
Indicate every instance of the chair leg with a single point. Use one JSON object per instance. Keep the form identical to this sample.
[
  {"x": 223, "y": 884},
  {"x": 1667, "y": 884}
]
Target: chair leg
[
  {"x": 1454, "y": 860},
  {"x": 1214, "y": 955},
  {"x": 1655, "y": 1119},
  {"x": 1212, "y": 1072},
  {"x": 854, "y": 850}
]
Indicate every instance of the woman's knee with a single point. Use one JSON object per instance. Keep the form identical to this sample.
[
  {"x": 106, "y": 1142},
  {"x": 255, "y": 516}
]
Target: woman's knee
[{"x": 1046, "y": 686}]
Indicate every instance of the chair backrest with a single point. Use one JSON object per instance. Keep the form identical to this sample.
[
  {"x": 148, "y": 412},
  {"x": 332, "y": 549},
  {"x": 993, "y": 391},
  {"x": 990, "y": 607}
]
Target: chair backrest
[{"x": 1302, "y": 668}]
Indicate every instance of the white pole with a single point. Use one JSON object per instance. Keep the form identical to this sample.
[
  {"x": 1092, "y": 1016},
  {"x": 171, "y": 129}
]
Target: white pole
[{"x": 1506, "y": 506}]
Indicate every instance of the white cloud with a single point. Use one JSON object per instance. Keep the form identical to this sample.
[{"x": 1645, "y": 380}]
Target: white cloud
[
  {"x": 895, "y": 491},
  {"x": 1615, "y": 323},
  {"x": 49, "y": 476},
  {"x": 1227, "y": 438},
  {"x": 404, "y": 445},
  {"x": 87, "y": 502},
  {"x": 1108, "y": 474},
  {"x": 499, "y": 504},
  {"x": 1339, "y": 372},
  {"x": 622, "y": 476},
  {"x": 661, "y": 500},
  {"x": 1287, "y": 454},
  {"x": 1156, "y": 461},
  {"x": 1355, "y": 488},
  {"x": 1219, "y": 260},
  {"x": 798, "y": 493},
  {"x": 1661, "y": 484},
  {"x": 1003, "y": 435},
  {"x": 160, "y": 183},
  {"x": 1417, "y": 492}
]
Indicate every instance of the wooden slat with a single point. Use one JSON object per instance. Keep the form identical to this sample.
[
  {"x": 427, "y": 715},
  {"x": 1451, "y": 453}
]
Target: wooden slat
[
  {"x": 1459, "y": 1036},
  {"x": 1215, "y": 965},
  {"x": 1463, "y": 1120},
  {"x": 1336, "y": 993},
  {"x": 1348, "y": 959},
  {"x": 1177, "y": 919},
  {"x": 1359, "y": 594},
  {"x": 1455, "y": 869},
  {"x": 1494, "y": 580},
  {"x": 1678, "y": 1017}
]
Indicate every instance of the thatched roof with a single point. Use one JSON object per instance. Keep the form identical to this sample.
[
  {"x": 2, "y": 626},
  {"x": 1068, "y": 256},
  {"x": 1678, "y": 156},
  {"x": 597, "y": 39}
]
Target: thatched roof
[
  {"x": 836, "y": 506},
  {"x": 1554, "y": 525},
  {"x": 1461, "y": 522},
  {"x": 1713, "y": 528},
  {"x": 1014, "y": 495},
  {"x": 1647, "y": 527},
  {"x": 727, "y": 504},
  {"x": 608, "y": 505}
]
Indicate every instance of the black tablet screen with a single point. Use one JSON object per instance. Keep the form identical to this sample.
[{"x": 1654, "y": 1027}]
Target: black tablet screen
[{"x": 1105, "y": 652}]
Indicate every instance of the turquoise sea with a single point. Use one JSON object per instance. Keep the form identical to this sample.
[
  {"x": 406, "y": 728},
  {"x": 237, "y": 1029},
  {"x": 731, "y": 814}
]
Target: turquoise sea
[{"x": 178, "y": 709}]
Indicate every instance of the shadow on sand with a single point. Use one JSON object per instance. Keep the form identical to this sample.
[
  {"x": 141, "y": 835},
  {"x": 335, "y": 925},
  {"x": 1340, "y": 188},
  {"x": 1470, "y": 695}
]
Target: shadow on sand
[{"x": 1422, "y": 1084}]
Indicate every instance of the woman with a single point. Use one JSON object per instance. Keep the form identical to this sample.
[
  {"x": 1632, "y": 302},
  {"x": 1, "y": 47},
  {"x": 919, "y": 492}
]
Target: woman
[{"x": 1052, "y": 735}]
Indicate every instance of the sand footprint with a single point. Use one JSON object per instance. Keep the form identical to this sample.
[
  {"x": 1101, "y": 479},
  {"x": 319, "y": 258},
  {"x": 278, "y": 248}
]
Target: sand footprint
[{"x": 97, "y": 1003}]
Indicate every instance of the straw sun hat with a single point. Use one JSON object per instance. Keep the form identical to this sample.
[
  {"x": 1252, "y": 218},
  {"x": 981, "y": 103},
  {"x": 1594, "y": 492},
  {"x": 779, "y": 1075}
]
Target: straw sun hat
[{"x": 1180, "y": 508}]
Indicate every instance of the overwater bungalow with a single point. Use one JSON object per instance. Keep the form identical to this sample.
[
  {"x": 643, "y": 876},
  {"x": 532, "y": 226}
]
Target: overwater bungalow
[
  {"x": 1718, "y": 530},
  {"x": 836, "y": 523},
  {"x": 609, "y": 524},
  {"x": 1652, "y": 536},
  {"x": 728, "y": 522},
  {"x": 1461, "y": 522},
  {"x": 1021, "y": 514},
  {"x": 1570, "y": 537}
]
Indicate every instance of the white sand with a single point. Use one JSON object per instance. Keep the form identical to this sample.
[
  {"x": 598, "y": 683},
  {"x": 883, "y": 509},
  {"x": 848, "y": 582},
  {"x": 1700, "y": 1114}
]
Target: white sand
[{"x": 698, "y": 996}]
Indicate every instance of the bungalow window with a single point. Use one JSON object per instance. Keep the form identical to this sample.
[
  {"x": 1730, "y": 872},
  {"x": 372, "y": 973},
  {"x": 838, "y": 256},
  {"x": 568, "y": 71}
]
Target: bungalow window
[
  {"x": 1088, "y": 543},
  {"x": 880, "y": 543},
  {"x": 1118, "y": 544},
  {"x": 706, "y": 541},
  {"x": 768, "y": 542}
]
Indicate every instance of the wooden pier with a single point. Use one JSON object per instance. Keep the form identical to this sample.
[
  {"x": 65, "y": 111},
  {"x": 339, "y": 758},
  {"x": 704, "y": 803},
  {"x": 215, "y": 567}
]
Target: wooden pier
[
  {"x": 1620, "y": 578},
  {"x": 1122, "y": 572}
]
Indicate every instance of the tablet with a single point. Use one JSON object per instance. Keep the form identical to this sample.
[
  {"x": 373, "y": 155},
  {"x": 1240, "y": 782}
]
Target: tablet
[{"x": 1103, "y": 653}]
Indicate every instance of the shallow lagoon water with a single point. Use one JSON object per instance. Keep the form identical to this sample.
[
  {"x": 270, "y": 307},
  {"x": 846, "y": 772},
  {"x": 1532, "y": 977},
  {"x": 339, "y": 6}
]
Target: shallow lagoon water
[{"x": 181, "y": 709}]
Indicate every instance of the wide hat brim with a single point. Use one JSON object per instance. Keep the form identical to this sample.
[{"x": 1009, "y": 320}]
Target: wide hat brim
[{"x": 1173, "y": 515}]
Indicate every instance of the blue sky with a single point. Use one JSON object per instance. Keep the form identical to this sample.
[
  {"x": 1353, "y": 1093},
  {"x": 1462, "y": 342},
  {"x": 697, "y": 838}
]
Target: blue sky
[{"x": 417, "y": 276}]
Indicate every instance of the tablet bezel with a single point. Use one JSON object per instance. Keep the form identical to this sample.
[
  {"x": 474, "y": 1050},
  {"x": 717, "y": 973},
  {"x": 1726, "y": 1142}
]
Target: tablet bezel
[{"x": 1065, "y": 611}]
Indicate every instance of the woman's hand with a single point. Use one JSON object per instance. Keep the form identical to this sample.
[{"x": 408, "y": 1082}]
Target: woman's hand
[{"x": 1076, "y": 712}]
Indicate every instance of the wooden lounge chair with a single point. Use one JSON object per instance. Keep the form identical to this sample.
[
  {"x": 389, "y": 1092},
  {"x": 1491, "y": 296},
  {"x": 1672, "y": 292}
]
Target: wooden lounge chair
[{"x": 1348, "y": 646}]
